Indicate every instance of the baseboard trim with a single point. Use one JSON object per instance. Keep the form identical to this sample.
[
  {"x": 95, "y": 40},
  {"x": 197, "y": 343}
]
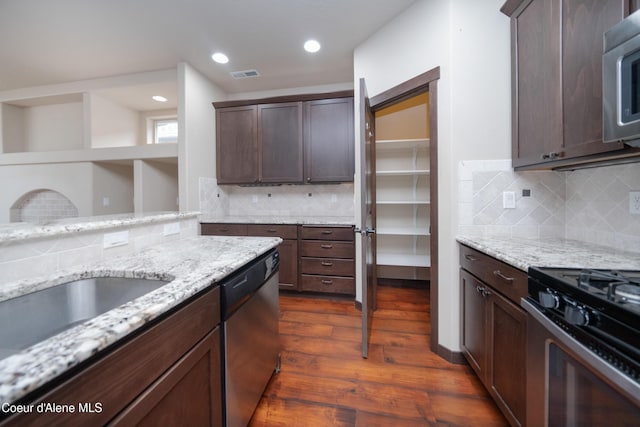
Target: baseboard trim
[{"x": 455, "y": 357}]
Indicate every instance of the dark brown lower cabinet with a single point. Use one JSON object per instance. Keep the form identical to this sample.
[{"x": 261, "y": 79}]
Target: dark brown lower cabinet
[
  {"x": 494, "y": 330},
  {"x": 167, "y": 374},
  {"x": 288, "y": 248}
]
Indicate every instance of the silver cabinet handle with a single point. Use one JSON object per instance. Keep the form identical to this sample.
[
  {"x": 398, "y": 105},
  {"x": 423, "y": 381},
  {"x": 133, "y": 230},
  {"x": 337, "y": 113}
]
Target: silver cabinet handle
[
  {"x": 470, "y": 258},
  {"x": 497, "y": 273}
]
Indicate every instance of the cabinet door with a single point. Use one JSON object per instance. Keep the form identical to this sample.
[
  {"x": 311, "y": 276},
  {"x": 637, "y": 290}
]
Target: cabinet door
[
  {"x": 583, "y": 26},
  {"x": 237, "y": 145},
  {"x": 280, "y": 142},
  {"x": 329, "y": 140},
  {"x": 536, "y": 99},
  {"x": 288, "y": 265},
  {"x": 474, "y": 337},
  {"x": 507, "y": 371},
  {"x": 190, "y": 393}
]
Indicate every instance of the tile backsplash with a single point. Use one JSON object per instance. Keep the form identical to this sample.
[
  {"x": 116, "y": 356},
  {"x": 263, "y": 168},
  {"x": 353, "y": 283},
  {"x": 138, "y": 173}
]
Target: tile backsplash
[
  {"x": 590, "y": 204},
  {"x": 333, "y": 202}
]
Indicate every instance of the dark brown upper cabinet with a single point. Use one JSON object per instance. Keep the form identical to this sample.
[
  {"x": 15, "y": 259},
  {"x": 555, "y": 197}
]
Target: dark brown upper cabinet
[
  {"x": 280, "y": 142},
  {"x": 294, "y": 139},
  {"x": 329, "y": 143},
  {"x": 556, "y": 64},
  {"x": 237, "y": 145}
]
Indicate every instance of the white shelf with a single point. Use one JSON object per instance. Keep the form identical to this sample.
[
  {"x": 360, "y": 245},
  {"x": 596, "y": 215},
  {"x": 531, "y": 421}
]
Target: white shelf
[
  {"x": 141, "y": 152},
  {"x": 419, "y": 172},
  {"x": 402, "y": 144},
  {"x": 403, "y": 202},
  {"x": 403, "y": 260},
  {"x": 402, "y": 231}
]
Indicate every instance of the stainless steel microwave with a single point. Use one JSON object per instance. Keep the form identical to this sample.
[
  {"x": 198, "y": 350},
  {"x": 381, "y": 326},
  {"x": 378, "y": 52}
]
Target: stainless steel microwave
[{"x": 621, "y": 82}]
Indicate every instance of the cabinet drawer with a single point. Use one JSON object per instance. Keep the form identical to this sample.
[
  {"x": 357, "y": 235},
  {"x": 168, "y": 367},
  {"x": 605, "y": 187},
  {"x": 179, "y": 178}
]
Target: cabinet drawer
[
  {"x": 327, "y": 266},
  {"x": 220, "y": 229},
  {"x": 338, "y": 285},
  {"x": 273, "y": 230},
  {"x": 316, "y": 232},
  {"x": 508, "y": 280},
  {"x": 318, "y": 248}
]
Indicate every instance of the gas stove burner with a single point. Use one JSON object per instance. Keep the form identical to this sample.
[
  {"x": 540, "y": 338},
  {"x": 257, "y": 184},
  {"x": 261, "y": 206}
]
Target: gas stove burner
[
  {"x": 630, "y": 293},
  {"x": 605, "y": 279}
]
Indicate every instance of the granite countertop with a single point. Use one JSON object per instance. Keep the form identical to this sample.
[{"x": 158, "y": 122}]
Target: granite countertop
[
  {"x": 282, "y": 220},
  {"x": 12, "y": 232},
  {"x": 193, "y": 264},
  {"x": 562, "y": 253}
]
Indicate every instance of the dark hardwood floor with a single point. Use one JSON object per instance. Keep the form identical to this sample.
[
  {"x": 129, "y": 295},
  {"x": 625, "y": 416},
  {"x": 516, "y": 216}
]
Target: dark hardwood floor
[{"x": 324, "y": 381}]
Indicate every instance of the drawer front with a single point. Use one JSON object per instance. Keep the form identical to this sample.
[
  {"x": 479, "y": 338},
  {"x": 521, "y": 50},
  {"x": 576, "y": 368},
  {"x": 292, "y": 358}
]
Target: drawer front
[
  {"x": 329, "y": 249},
  {"x": 327, "y": 266},
  {"x": 269, "y": 230},
  {"x": 505, "y": 278},
  {"x": 337, "y": 285},
  {"x": 220, "y": 229},
  {"x": 314, "y": 232}
]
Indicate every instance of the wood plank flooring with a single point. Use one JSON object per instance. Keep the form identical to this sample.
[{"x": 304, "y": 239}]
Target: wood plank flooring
[{"x": 324, "y": 381}]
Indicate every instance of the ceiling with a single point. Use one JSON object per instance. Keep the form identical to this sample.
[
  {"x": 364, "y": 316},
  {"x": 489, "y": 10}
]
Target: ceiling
[{"x": 49, "y": 42}]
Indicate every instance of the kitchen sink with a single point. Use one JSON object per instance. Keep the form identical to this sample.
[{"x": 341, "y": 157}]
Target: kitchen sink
[{"x": 31, "y": 318}]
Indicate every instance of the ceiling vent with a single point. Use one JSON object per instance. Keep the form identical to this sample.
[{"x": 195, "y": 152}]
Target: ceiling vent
[{"x": 244, "y": 74}]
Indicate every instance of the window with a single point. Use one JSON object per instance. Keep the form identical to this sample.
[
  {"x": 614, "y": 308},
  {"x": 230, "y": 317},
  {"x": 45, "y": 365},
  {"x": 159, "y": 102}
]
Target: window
[{"x": 165, "y": 131}]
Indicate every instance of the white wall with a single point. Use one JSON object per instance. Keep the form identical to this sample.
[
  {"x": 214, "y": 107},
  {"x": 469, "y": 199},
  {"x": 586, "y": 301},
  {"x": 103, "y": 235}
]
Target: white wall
[
  {"x": 113, "y": 125},
  {"x": 12, "y": 123},
  {"x": 196, "y": 133},
  {"x": 469, "y": 41},
  {"x": 156, "y": 186},
  {"x": 54, "y": 127},
  {"x": 115, "y": 182},
  {"x": 26, "y": 178}
]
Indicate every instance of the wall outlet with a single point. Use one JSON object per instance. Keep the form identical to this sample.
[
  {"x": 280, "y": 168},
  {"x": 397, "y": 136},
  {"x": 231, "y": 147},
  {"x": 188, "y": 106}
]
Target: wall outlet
[
  {"x": 634, "y": 202},
  {"x": 106, "y": 201},
  {"x": 171, "y": 228},
  {"x": 509, "y": 199},
  {"x": 254, "y": 199},
  {"x": 119, "y": 238}
]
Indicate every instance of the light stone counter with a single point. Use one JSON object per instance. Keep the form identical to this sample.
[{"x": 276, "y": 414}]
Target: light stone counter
[
  {"x": 525, "y": 253},
  {"x": 193, "y": 264},
  {"x": 20, "y": 231},
  {"x": 284, "y": 220}
]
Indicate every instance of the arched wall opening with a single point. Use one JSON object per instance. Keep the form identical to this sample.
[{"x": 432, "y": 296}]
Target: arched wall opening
[{"x": 42, "y": 205}]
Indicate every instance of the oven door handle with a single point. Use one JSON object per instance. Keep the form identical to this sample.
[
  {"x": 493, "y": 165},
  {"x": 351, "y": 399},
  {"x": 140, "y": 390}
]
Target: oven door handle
[{"x": 624, "y": 383}]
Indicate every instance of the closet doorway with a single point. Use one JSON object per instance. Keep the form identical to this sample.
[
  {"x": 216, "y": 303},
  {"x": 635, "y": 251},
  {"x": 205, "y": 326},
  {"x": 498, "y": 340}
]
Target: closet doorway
[{"x": 406, "y": 187}]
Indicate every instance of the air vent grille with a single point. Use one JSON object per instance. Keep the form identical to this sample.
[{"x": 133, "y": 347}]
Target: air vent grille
[{"x": 245, "y": 74}]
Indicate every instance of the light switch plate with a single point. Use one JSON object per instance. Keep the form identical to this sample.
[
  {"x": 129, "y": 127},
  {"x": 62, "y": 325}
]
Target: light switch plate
[{"x": 509, "y": 199}]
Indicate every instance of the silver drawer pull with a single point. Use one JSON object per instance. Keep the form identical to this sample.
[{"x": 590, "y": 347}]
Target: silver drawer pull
[
  {"x": 327, "y": 282},
  {"x": 326, "y": 232},
  {"x": 470, "y": 258},
  {"x": 271, "y": 230},
  {"x": 497, "y": 273},
  {"x": 326, "y": 246},
  {"x": 326, "y": 263}
]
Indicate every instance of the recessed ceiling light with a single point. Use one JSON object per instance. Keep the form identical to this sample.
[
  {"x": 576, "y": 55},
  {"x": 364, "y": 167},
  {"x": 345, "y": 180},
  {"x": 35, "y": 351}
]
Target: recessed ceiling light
[
  {"x": 311, "y": 46},
  {"x": 220, "y": 58},
  {"x": 159, "y": 98}
]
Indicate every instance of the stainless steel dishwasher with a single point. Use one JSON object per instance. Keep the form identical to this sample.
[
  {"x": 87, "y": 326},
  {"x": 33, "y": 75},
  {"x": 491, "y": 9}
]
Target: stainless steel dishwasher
[{"x": 250, "y": 313}]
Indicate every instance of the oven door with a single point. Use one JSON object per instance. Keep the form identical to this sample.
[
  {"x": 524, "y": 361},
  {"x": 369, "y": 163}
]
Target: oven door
[{"x": 568, "y": 385}]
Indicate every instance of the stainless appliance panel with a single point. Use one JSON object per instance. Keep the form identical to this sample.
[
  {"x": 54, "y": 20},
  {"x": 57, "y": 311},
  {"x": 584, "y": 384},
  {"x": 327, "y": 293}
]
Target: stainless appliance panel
[
  {"x": 252, "y": 352},
  {"x": 568, "y": 384},
  {"x": 620, "y": 119}
]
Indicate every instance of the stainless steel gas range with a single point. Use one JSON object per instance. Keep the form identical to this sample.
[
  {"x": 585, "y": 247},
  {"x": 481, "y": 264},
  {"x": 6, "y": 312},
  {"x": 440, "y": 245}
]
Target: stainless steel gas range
[{"x": 583, "y": 347}]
